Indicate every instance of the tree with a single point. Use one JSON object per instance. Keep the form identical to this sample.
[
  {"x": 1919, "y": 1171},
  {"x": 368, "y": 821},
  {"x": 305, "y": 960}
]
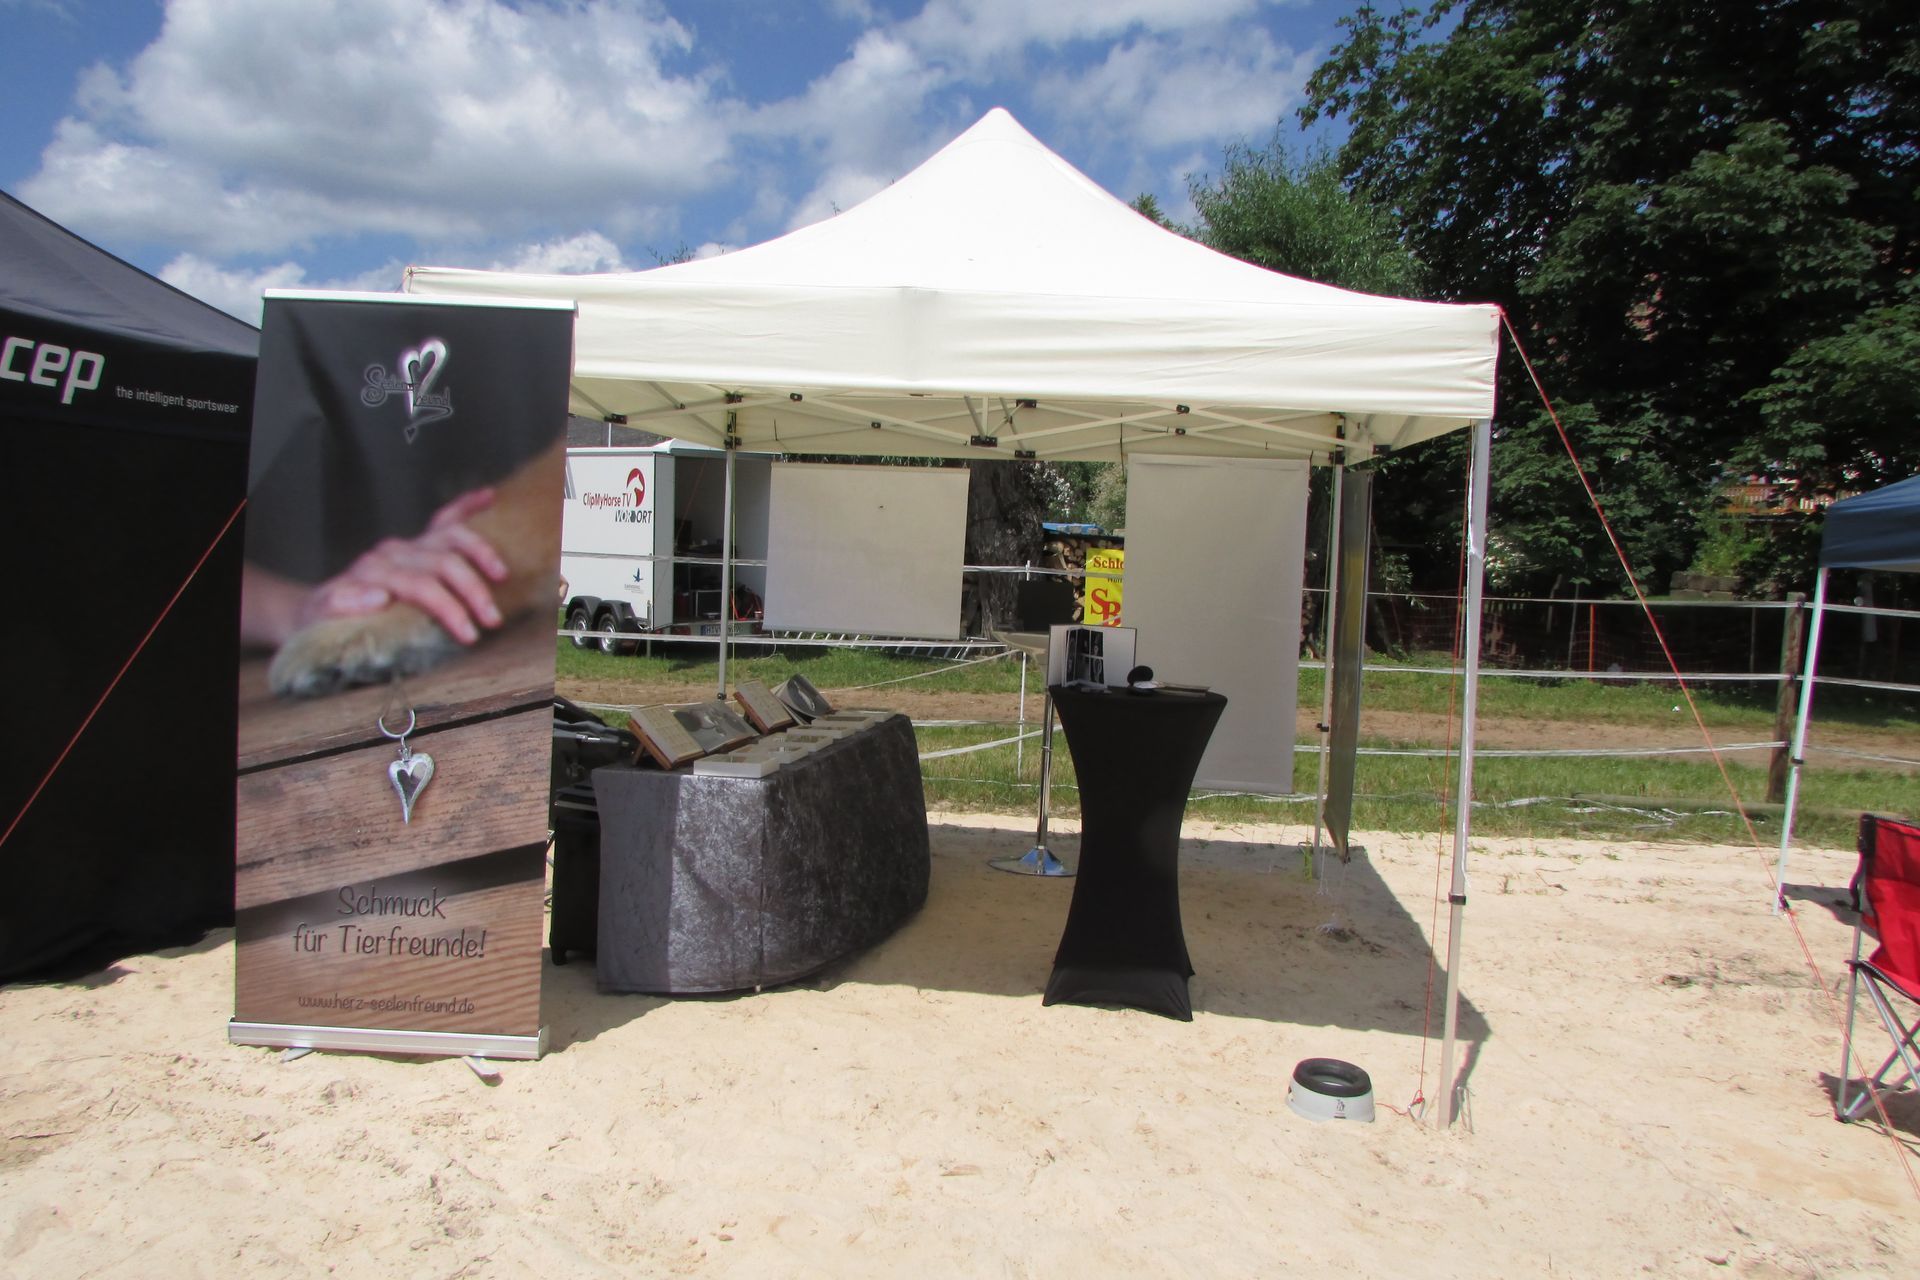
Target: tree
[
  {"x": 1298, "y": 218},
  {"x": 1700, "y": 217}
]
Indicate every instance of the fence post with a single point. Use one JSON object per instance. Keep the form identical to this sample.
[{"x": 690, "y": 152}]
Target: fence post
[{"x": 1792, "y": 654}]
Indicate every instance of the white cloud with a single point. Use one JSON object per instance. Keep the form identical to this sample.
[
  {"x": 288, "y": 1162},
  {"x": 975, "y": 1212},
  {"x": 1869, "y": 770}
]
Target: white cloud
[
  {"x": 238, "y": 291},
  {"x": 976, "y": 33},
  {"x": 1177, "y": 72},
  {"x": 838, "y": 189},
  {"x": 588, "y": 251},
  {"x": 274, "y": 124},
  {"x": 566, "y": 135},
  {"x": 1170, "y": 91}
]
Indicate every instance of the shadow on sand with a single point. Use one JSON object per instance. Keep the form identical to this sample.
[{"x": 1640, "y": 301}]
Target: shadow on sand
[
  {"x": 1266, "y": 943},
  {"x": 1902, "y": 1106}
]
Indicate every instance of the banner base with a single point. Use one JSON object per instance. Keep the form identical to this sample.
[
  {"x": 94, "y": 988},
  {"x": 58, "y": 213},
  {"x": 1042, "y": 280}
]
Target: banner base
[{"x": 449, "y": 1044}]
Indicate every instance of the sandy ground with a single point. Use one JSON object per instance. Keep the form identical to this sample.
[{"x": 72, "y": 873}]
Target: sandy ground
[{"x": 1649, "y": 1063}]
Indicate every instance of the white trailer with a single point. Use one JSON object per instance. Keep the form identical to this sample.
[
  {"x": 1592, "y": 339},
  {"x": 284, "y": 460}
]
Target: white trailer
[{"x": 640, "y": 547}]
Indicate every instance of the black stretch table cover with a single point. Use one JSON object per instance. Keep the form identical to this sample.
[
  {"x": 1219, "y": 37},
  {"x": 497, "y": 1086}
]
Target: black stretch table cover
[
  {"x": 720, "y": 884},
  {"x": 1135, "y": 755}
]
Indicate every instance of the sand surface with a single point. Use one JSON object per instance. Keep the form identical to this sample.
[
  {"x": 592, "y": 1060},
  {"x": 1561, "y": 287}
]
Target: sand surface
[{"x": 1648, "y": 1056}]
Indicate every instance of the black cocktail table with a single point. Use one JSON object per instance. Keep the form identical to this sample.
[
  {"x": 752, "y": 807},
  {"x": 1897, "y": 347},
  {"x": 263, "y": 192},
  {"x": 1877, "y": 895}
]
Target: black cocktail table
[{"x": 1135, "y": 754}]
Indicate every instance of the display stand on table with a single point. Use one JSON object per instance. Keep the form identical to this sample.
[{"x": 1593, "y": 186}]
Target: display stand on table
[{"x": 1135, "y": 752}]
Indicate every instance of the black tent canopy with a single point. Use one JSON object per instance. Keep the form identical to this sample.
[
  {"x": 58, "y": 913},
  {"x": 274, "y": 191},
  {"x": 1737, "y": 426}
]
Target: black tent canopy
[{"x": 124, "y": 418}]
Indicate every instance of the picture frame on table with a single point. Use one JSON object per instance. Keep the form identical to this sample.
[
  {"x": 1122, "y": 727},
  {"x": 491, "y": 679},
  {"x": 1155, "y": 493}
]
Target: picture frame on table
[
  {"x": 714, "y": 725},
  {"x": 1085, "y": 655},
  {"x": 766, "y": 712},
  {"x": 800, "y": 697},
  {"x": 665, "y": 738}
]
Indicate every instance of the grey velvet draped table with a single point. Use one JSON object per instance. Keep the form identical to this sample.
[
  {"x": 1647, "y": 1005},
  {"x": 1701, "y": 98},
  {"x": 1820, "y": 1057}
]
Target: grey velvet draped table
[{"x": 712, "y": 884}]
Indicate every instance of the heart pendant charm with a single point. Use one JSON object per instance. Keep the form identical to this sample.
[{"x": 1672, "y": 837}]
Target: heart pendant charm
[{"x": 410, "y": 775}]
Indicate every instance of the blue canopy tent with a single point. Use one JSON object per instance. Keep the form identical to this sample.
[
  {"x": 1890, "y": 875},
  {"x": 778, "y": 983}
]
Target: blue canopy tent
[{"x": 1877, "y": 530}]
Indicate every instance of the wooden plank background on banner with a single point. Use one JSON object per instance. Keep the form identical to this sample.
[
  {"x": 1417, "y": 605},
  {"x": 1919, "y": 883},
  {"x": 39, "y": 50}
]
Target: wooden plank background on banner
[{"x": 320, "y": 832}]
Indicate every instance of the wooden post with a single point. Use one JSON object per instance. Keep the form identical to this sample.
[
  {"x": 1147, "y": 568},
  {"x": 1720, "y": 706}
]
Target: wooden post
[{"x": 1792, "y": 655}]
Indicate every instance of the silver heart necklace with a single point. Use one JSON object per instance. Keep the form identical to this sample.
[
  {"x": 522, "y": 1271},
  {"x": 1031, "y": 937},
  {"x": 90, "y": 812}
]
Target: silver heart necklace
[{"x": 411, "y": 773}]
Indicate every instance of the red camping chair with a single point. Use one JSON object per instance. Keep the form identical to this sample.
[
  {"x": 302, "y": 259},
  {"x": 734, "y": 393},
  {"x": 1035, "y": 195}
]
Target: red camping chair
[{"x": 1889, "y": 875}]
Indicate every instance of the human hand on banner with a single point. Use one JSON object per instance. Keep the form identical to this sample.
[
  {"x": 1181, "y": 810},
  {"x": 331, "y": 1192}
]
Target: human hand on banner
[
  {"x": 407, "y": 604},
  {"x": 444, "y": 572}
]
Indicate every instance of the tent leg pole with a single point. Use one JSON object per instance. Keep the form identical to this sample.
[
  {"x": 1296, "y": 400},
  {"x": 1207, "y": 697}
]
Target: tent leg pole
[
  {"x": 1463, "y": 797},
  {"x": 1799, "y": 740},
  {"x": 1326, "y": 665},
  {"x": 726, "y": 560}
]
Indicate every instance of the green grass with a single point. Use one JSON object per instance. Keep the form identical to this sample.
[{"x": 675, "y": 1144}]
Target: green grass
[
  {"x": 1609, "y": 797},
  {"x": 696, "y": 667}
]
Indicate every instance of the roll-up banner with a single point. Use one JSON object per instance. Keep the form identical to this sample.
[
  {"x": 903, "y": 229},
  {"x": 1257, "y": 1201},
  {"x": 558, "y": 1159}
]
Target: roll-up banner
[{"x": 396, "y": 682}]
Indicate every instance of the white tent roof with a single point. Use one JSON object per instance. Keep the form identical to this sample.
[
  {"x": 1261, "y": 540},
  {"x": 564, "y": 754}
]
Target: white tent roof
[{"x": 996, "y": 302}]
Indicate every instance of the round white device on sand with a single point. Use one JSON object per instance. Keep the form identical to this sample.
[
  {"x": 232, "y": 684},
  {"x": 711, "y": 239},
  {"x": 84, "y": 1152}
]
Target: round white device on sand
[{"x": 1329, "y": 1089}]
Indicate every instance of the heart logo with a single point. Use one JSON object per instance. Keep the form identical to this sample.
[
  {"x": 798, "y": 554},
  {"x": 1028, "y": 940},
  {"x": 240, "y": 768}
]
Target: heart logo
[
  {"x": 410, "y": 777},
  {"x": 420, "y": 369}
]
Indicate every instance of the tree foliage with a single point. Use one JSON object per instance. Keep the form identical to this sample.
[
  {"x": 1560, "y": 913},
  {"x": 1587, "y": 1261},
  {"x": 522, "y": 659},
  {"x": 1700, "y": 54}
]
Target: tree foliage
[
  {"x": 1701, "y": 218},
  {"x": 1297, "y": 217}
]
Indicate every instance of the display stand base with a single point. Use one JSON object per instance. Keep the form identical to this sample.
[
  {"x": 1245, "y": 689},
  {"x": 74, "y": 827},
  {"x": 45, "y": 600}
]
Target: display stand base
[
  {"x": 449, "y": 1044},
  {"x": 1037, "y": 861},
  {"x": 1307, "y": 850}
]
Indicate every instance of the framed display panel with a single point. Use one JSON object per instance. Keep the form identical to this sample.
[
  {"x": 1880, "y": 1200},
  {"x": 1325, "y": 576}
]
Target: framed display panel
[
  {"x": 665, "y": 738},
  {"x": 715, "y": 726},
  {"x": 1090, "y": 655},
  {"x": 805, "y": 701},
  {"x": 736, "y": 764},
  {"x": 765, "y": 710}
]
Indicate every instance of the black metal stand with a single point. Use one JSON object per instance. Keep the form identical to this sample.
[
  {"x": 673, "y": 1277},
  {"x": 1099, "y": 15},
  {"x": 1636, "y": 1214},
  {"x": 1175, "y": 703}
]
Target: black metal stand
[{"x": 1039, "y": 860}]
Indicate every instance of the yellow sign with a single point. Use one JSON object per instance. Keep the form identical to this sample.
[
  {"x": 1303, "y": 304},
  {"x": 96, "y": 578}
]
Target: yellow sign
[{"x": 1103, "y": 592}]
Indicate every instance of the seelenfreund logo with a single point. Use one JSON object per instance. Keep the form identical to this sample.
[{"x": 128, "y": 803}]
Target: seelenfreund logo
[{"x": 414, "y": 377}]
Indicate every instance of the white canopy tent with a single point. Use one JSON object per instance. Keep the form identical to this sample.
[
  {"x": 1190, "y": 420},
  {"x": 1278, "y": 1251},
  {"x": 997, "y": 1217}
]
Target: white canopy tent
[
  {"x": 997, "y": 294},
  {"x": 996, "y": 303}
]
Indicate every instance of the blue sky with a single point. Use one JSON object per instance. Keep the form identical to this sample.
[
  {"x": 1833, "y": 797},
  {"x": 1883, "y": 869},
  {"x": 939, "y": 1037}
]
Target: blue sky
[{"x": 233, "y": 145}]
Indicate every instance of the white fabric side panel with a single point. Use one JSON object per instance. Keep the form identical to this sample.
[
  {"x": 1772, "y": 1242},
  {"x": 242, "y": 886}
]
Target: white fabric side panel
[
  {"x": 866, "y": 549},
  {"x": 1215, "y": 553}
]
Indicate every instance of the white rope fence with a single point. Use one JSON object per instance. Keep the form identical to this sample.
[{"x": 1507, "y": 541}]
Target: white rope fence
[{"x": 922, "y": 675}]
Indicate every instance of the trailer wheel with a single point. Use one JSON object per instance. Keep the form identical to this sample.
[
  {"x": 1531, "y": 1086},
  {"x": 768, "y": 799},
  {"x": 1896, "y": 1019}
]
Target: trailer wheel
[
  {"x": 579, "y": 619},
  {"x": 610, "y": 643}
]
